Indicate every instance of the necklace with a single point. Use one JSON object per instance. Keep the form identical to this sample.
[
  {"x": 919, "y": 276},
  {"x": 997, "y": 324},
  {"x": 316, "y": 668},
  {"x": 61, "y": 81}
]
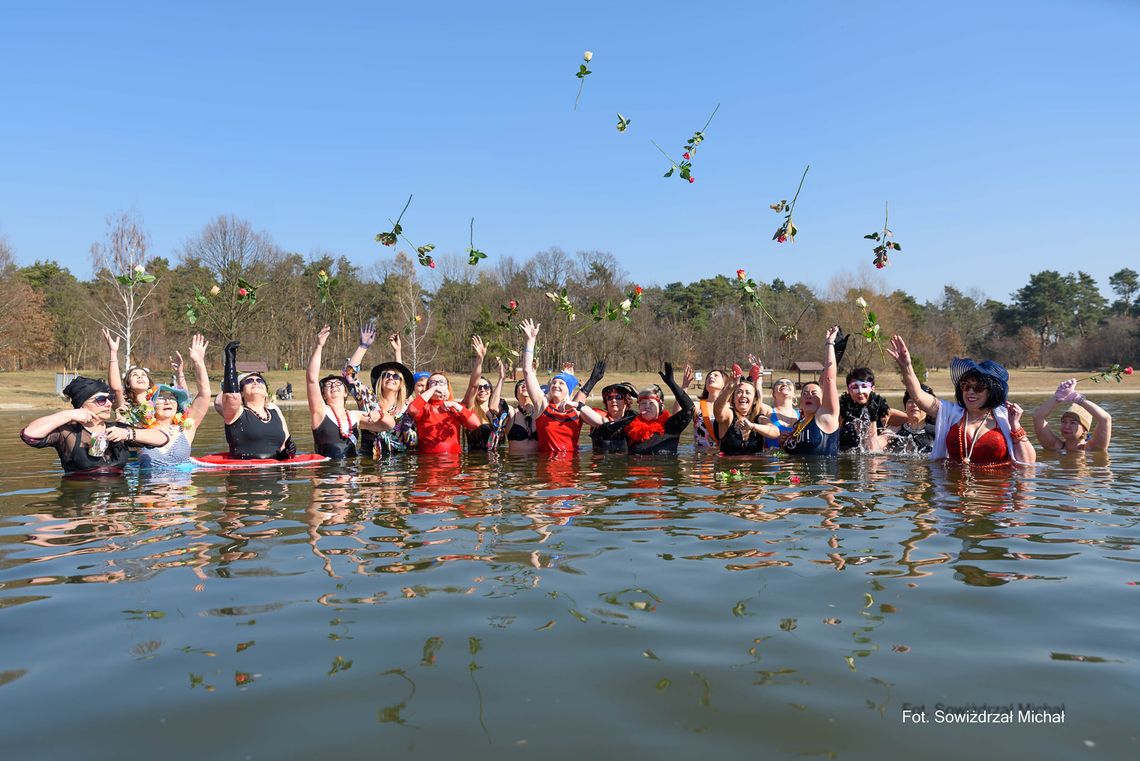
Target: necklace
[
  {"x": 968, "y": 453},
  {"x": 268, "y": 414},
  {"x": 344, "y": 428}
]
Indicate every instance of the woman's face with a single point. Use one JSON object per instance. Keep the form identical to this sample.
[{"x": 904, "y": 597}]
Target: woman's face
[
  {"x": 860, "y": 391},
  {"x": 974, "y": 394},
  {"x": 483, "y": 392},
  {"x": 253, "y": 388},
  {"x": 783, "y": 391},
  {"x": 165, "y": 407},
  {"x": 438, "y": 383},
  {"x": 559, "y": 391},
  {"x": 616, "y": 404},
  {"x": 99, "y": 405},
  {"x": 915, "y": 415},
  {"x": 522, "y": 396},
  {"x": 742, "y": 398},
  {"x": 421, "y": 386},
  {"x": 138, "y": 380},
  {"x": 811, "y": 397},
  {"x": 333, "y": 391},
  {"x": 714, "y": 380},
  {"x": 1071, "y": 428},
  {"x": 390, "y": 381},
  {"x": 648, "y": 408}
]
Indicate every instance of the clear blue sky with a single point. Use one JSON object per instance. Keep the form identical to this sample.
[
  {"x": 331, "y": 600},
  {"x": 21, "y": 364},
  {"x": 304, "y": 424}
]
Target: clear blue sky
[{"x": 1004, "y": 134}]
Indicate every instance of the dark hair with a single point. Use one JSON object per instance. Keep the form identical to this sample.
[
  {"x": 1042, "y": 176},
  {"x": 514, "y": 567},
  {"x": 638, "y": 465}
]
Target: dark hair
[
  {"x": 704, "y": 383},
  {"x": 924, "y": 387},
  {"x": 863, "y": 374},
  {"x": 328, "y": 379},
  {"x": 805, "y": 384},
  {"x": 996, "y": 391}
]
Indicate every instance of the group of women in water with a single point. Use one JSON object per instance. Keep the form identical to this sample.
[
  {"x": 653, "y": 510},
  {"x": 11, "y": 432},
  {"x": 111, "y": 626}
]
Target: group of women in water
[{"x": 399, "y": 411}]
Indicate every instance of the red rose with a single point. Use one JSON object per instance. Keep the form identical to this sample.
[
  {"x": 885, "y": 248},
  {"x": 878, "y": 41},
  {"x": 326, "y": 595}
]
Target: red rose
[
  {"x": 513, "y": 304},
  {"x": 692, "y": 179},
  {"x": 782, "y": 239},
  {"x": 686, "y": 156},
  {"x": 879, "y": 265},
  {"x": 740, "y": 274},
  {"x": 1128, "y": 370},
  {"x": 243, "y": 292},
  {"x": 637, "y": 290},
  {"x": 794, "y": 480}
]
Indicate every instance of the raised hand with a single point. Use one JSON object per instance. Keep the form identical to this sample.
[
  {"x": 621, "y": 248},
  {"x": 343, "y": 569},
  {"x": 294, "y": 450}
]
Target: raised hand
[
  {"x": 737, "y": 373},
  {"x": 754, "y": 372},
  {"x": 832, "y": 334},
  {"x": 323, "y": 335},
  {"x": 176, "y": 363},
  {"x": 198, "y": 346},
  {"x": 1066, "y": 391},
  {"x": 530, "y": 328},
  {"x": 899, "y": 352},
  {"x": 112, "y": 340},
  {"x": 368, "y": 334},
  {"x": 687, "y": 376},
  {"x": 667, "y": 373},
  {"x": 479, "y": 347},
  {"x": 598, "y": 372},
  {"x": 502, "y": 368},
  {"x": 394, "y": 342}
]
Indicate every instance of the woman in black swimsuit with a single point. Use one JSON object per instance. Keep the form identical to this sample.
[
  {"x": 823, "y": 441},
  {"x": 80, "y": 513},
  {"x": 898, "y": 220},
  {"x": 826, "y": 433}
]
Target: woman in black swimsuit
[
  {"x": 653, "y": 430},
  {"x": 84, "y": 438},
  {"x": 522, "y": 436},
  {"x": 335, "y": 428},
  {"x": 485, "y": 401},
  {"x": 739, "y": 425},
  {"x": 255, "y": 429}
]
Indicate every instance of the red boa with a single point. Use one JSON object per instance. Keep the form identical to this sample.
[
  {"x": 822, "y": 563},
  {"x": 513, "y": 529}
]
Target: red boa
[{"x": 638, "y": 430}]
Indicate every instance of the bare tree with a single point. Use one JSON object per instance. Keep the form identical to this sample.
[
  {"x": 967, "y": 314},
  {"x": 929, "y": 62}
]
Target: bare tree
[
  {"x": 120, "y": 263},
  {"x": 237, "y": 256}
]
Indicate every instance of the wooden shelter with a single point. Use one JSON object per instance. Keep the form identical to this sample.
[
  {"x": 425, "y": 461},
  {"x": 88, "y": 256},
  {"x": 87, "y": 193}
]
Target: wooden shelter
[{"x": 802, "y": 366}]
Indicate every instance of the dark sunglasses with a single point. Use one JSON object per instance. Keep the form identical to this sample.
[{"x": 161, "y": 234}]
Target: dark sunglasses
[
  {"x": 253, "y": 379},
  {"x": 390, "y": 375},
  {"x": 483, "y": 387},
  {"x": 972, "y": 386},
  {"x": 102, "y": 400}
]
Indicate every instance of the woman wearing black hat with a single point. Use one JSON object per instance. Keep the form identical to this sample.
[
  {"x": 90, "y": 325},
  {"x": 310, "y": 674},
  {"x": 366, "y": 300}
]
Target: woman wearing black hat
[
  {"x": 85, "y": 439},
  {"x": 255, "y": 428},
  {"x": 653, "y": 430},
  {"x": 981, "y": 428},
  {"x": 335, "y": 428},
  {"x": 617, "y": 398}
]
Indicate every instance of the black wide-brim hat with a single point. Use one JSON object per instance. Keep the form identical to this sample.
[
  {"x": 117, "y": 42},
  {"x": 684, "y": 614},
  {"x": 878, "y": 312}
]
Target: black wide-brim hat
[{"x": 409, "y": 382}]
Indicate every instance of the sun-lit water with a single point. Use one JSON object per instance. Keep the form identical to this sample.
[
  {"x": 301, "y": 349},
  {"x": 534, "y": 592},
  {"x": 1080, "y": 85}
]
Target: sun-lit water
[{"x": 594, "y": 607}]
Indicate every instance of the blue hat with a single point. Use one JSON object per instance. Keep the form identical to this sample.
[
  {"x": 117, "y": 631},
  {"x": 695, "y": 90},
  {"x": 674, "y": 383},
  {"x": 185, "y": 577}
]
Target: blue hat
[
  {"x": 181, "y": 395},
  {"x": 570, "y": 381},
  {"x": 959, "y": 366},
  {"x": 421, "y": 375}
]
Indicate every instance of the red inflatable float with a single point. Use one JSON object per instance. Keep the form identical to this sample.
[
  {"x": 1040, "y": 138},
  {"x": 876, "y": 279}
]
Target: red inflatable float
[{"x": 222, "y": 460}]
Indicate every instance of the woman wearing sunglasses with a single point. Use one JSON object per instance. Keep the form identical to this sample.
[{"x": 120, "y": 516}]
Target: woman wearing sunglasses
[
  {"x": 176, "y": 416},
  {"x": 439, "y": 418},
  {"x": 484, "y": 400},
  {"x": 980, "y": 428},
  {"x": 86, "y": 440},
  {"x": 255, "y": 428},
  {"x": 336, "y": 429}
]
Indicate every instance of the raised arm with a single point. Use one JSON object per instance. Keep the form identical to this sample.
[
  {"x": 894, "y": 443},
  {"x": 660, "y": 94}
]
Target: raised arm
[
  {"x": 829, "y": 404},
  {"x": 582, "y": 393},
  {"x": 497, "y": 391},
  {"x": 178, "y": 367},
  {"x": 114, "y": 377},
  {"x": 901, "y": 355},
  {"x": 1045, "y": 435},
  {"x": 480, "y": 350},
  {"x": 231, "y": 391},
  {"x": 1102, "y": 432},
  {"x": 680, "y": 420},
  {"x": 722, "y": 410},
  {"x": 201, "y": 404},
  {"x": 312, "y": 378},
  {"x": 537, "y": 398}
]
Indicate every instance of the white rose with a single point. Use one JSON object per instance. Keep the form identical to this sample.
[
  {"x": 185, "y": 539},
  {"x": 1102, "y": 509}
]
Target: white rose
[
  {"x": 214, "y": 291},
  {"x": 861, "y": 303},
  {"x": 140, "y": 269},
  {"x": 587, "y": 56},
  {"x": 626, "y": 305}
]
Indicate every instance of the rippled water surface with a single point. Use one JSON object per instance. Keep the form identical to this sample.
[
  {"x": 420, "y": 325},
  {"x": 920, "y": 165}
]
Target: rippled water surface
[{"x": 591, "y": 607}]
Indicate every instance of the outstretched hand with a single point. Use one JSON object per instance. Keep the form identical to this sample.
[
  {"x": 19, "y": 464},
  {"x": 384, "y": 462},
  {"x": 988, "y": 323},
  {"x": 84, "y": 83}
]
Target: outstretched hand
[
  {"x": 368, "y": 334},
  {"x": 112, "y": 340},
  {"x": 394, "y": 342},
  {"x": 898, "y": 351},
  {"x": 479, "y": 347},
  {"x": 232, "y": 347},
  {"x": 1066, "y": 391},
  {"x": 198, "y": 346},
  {"x": 597, "y": 373},
  {"x": 687, "y": 376},
  {"x": 667, "y": 374},
  {"x": 530, "y": 328},
  {"x": 323, "y": 335},
  {"x": 176, "y": 362}
]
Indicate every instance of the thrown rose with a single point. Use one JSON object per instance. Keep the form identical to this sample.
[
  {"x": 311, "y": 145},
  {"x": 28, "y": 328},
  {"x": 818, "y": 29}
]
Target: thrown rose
[
  {"x": 513, "y": 304},
  {"x": 140, "y": 269},
  {"x": 740, "y": 274},
  {"x": 243, "y": 292},
  {"x": 861, "y": 302},
  {"x": 1128, "y": 370},
  {"x": 587, "y": 56},
  {"x": 215, "y": 290}
]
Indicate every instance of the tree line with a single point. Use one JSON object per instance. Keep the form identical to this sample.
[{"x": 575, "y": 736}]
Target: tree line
[{"x": 231, "y": 282}]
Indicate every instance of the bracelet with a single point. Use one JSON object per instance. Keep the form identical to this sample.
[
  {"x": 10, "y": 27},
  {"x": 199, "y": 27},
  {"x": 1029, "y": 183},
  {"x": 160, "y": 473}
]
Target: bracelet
[
  {"x": 580, "y": 406},
  {"x": 131, "y": 436},
  {"x": 1018, "y": 434},
  {"x": 829, "y": 343}
]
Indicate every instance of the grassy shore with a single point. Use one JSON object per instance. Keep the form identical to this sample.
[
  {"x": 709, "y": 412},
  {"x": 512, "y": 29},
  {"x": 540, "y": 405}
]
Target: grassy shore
[{"x": 35, "y": 389}]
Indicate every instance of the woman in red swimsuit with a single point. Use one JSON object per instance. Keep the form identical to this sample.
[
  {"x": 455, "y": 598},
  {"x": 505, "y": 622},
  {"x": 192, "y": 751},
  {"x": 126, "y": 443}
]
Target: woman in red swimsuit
[
  {"x": 982, "y": 429},
  {"x": 439, "y": 418},
  {"x": 557, "y": 418}
]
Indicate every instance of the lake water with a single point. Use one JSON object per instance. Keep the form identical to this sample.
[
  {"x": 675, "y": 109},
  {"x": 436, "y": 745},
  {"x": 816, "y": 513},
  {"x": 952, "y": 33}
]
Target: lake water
[{"x": 594, "y": 607}]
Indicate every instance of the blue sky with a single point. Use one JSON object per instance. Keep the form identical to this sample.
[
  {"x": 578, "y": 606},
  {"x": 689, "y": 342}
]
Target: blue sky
[{"x": 1003, "y": 134}]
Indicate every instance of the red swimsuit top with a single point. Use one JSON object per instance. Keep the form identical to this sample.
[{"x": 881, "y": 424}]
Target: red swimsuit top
[
  {"x": 990, "y": 448},
  {"x": 437, "y": 427},
  {"x": 558, "y": 431}
]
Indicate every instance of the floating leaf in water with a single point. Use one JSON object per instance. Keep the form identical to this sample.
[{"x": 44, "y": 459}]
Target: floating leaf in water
[
  {"x": 339, "y": 664},
  {"x": 474, "y": 645},
  {"x": 146, "y": 649},
  {"x": 738, "y": 609},
  {"x": 545, "y": 626},
  {"x": 139, "y": 615},
  {"x": 868, "y": 601},
  {"x": 663, "y": 684},
  {"x": 788, "y": 624},
  {"x": 650, "y": 654},
  {"x": 850, "y": 662},
  {"x": 900, "y": 648},
  {"x": 11, "y": 675},
  {"x": 431, "y": 647},
  {"x": 578, "y": 615},
  {"x": 888, "y": 608},
  {"x": 245, "y": 645},
  {"x": 706, "y": 693},
  {"x": 242, "y": 678}
]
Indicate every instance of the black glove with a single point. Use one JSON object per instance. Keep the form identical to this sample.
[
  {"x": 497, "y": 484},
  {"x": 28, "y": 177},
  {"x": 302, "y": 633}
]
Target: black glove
[
  {"x": 229, "y": 369},
  {"x": 667, "y": 374},
  {"x": 288, "y": 450},
  {"x": 596, "y": 375},
  {"x": 840, "y": 346}
]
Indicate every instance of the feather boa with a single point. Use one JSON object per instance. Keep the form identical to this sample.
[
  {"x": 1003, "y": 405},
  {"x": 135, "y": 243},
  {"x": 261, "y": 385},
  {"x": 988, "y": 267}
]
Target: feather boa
[{"x": 639, "y": 430}]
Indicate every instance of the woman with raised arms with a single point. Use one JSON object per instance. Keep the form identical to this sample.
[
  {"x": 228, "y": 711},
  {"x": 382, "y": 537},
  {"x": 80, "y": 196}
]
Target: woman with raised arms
[
  {"x": 255, "y": 428},
  {"x": 653, "y": 430},
  {"x": 177, "y": 416},
  {"x": 981, "y": 428},
  {"x": 336, "y": 429},
  {"x": 557, "y": 418},
  {"x": 737, "y": 421},
  {"x": 817, "y": 432},
  {"x": 1077, "y": 432},
  {"x": 704, "y": 433},
  {"x": 485, "y": 400}
]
